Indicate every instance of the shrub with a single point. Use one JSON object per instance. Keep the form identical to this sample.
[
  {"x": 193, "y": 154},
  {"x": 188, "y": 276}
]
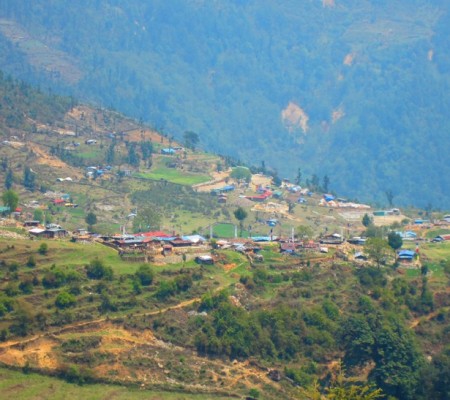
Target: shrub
[
  {"x": 97, "y": 270},
  {"x": 43, "y": 249},
  {"x": 31, "y": 262},
  {"x": 145, "y": 275},
  {"x": 26, "y": 286},
  {"x": 64, "y": 300}
]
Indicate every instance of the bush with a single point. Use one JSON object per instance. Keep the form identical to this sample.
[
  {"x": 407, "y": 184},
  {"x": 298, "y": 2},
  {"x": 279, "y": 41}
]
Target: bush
[
  {"x": 26, "y": 287},
  {"x": 43, "y": 249},
  {"x": 31, "y": 262},
  {"x": 97, "y": 270},
  {"x": 54, "y": 279},
  {"x": 145, "y": 275},
  {"x": 65, "y": 300},
  {"x": 74, "y": 374}
]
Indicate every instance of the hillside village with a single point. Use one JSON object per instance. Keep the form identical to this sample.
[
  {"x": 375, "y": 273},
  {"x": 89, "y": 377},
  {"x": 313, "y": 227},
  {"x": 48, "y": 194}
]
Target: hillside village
[
  {"x": 170, "y": 246},
  {"x": 126, "y": 249}
]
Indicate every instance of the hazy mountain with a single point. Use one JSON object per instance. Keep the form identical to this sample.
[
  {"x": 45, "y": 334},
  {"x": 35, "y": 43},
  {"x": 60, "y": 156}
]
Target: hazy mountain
[{"x": 356, "y": 90}]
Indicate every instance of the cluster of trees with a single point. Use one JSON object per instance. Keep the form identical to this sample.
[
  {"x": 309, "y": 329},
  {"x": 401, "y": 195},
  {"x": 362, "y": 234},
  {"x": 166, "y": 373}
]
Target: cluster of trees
[
  {"x": 281, "y": 333},
  {"x": 20, "y": 101}
]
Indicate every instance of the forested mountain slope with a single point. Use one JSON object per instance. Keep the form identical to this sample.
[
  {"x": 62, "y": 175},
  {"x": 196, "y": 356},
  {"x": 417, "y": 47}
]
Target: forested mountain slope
[{"x": 356, "y": 90}]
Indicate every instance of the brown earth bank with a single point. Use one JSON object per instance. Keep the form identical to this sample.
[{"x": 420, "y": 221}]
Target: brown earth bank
[
  {"x": 129, "y": 356},
  {"x": 113, "y": 351}
]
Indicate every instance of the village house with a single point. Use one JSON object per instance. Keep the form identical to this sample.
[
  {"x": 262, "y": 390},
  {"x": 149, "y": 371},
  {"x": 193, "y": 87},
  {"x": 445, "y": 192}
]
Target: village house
[{"x": 406, "y": 255}]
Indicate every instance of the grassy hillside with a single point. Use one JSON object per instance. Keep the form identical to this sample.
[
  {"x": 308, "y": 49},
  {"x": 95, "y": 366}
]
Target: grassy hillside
[
  {"x": 218, "y": 330},
  {"x": 263, "y": 327}
]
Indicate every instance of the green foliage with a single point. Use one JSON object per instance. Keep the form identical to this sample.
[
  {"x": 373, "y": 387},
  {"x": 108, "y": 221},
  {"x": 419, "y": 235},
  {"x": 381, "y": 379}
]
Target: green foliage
[
  {"x": 29, "y": 179},
  {"x": 75, "y": 374},
  {"x": 91, "y": 219},
  {"x": 65, "y": 300},
  {"x": 304, "y": 231},
  {"x": 9, "y": 179},
  {"x": 38, "y": 215},
  {"x": 191, "y": 140},
  {"x": 43, "y": 249},
  {"x": 10, "y": 199},
  {"x": 239, "y": 173},
  {"x": 55, "y": 278},
  {"x": 146, "y": 149},
  {"x": 168, "y": 288},
  {"x": 377, "y": 249},
  {"x": 367, "y": 220},
  {"x": 6, "y": 305},
  {"x": 97, "y": 270},
  {"x": 254, "y": 393},
  {"x": 435, "y": 378},
  {"x": 340, "y": 389},
  {"x": 145, "y": 275},
  {"x": 26, "y": 286},
  {"x": 395, "y": 241},
  {"x": 397, "y": 361},
  {"x": 110, "y": 153},
  {"x": 107, "y": 304},
  {"x": 148, "y": 218},
  {"x": 240, "y": 214},
  {"x": 357, "y": 337},
  {"x": 270, "y": 334},
  {"x": 133, "y": 156},
  {"x": 81, "y": 344},
  {"x": 23, "y": 322},
  {"x": 31, "y": 262}
]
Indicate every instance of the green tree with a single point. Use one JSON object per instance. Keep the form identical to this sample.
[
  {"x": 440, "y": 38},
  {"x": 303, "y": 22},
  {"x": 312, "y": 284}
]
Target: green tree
[
  {"x": 390, "y": 197},
  {"x": 91, "y": 219},
  {"x": 240, "y": 214},
  {"x": 38, "y": 215},
  {"x": 357, "y": 338},
  {"x": 239, "y": 173},
  {"x": 29, "y": 179},
  {"x": 133, "y": 157},
  {"x": 23, "y": 323},
  {"x": 10, "y": 199},
  {"x": 9, "y": 179},
  {"x": 298, "y": 178},
  {"x": 146, "y": 218},
  {"x": 397, "y": 360},
  {"x": 340, "y": 389},
  {"x": 326, "y": 183},
  {"x": 367, "y": 220},
  {"x": 110, "y": 153},
  {"x": 377, "y": 249},
  {"x": 304, "y": 232},
  {"x": 315, "y": 183},
  {"x": 146, "y": 149},
  {"x": 395, "y": 241},
  {"x": 191, "y": 140}
]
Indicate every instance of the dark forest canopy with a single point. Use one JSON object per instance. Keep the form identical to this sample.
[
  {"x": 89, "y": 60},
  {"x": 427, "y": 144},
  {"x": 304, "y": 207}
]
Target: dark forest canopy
[{"x": 355, "y": 90}]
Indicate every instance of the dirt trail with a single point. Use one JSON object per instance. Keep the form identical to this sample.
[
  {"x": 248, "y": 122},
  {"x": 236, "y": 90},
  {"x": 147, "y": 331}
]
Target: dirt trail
[
  {"x": 416, "y": 321},
  {"x": 56, "y": 331}
]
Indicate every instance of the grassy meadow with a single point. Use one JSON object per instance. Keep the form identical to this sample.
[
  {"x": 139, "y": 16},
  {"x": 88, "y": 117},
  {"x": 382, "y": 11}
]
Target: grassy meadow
[{"x": 31, "y": 386}]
